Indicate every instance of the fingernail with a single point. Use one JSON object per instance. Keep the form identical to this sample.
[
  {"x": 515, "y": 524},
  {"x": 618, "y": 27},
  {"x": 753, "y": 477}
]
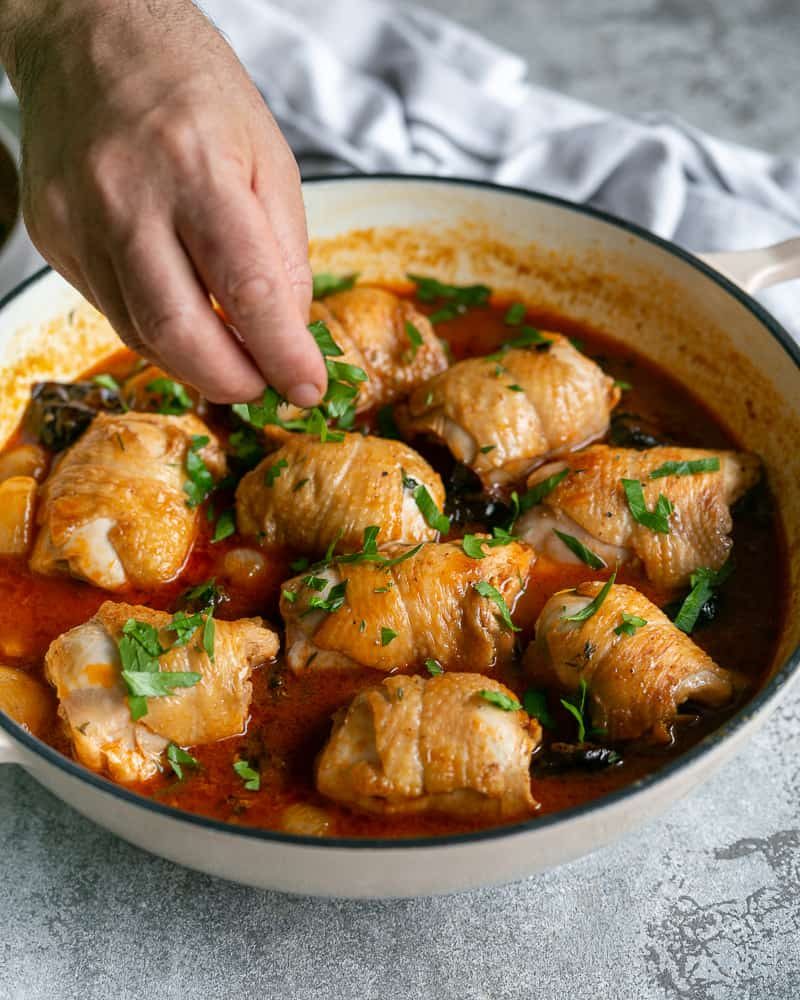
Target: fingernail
[{"x": 305, "y": 394}]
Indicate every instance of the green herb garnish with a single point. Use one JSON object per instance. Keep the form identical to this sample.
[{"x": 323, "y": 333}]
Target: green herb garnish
[
  {"x": 274, "y": 471},
  {"x": 686, "y": 468},
  {"x": 434, "y": 518},
  {"x": 535, "y": 704},
  {"x": 329, "y": 284},
  {"x": 174, "y": 399},
  {"x": 250, "y": 777},
  {"x": 485, "y": 589},
  {"x": 704, "y": 582},
  {"x": 225, "y": 526},
  {"x": 500, "y": 699},
  {"x": 434, "y": 668},
  {"x": 656, "y": 519},
  {"x": 387, "y": 635},
  {"x": 629, "y": 624},
  {"x": 333, "y": 601},
  {"x": 515, "y": 314},
  {"x": 537, "y": 493},
  {"x": 415, "y": 337},
  {"x": 107, "y": 382},
  {"x": 179, "y": 758},
  {"x": 578, "y": 709},
  {"x": 200, "y": 483},
  {"x": 594, "y": 606},
  {"x": 387, "y": 425},
  {"x": 580, "y": 550}
]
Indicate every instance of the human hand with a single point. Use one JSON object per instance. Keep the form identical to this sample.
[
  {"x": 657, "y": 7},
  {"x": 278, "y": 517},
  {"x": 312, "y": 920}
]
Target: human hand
[{"x": 153, "y": 176}]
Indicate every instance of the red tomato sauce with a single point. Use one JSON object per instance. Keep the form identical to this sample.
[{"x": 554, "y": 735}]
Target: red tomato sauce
[{"x": 290, "y": 715}]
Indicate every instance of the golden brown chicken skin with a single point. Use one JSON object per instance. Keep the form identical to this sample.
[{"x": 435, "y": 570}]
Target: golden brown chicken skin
[
  {"x": 84, "y": 666},
  {"x": 424, "y": 607},
  {"x": 636, "y": 682},
  {"x": 590, "y": 504},
  {"x": 504, "y": 415},
  {"x": 113, "y": 511},
  {"x": 410, "y": 745},
  {"x": 370, "y": 326},
  {"x": 310, "y": 493}
]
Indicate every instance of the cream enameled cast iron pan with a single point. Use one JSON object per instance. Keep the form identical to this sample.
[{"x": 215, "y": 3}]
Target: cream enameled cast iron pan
[{"x": 669, "y": 305}]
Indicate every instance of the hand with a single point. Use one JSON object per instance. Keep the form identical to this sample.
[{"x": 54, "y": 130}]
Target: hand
[{"x": 153, "y": 175}]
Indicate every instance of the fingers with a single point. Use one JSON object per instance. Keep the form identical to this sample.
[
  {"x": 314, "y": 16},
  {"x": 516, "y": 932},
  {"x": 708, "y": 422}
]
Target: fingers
[
  {"x": 279, "y": 191},
  {"x": 171, "y": 314},
  {"x": 231, "y": 243}
]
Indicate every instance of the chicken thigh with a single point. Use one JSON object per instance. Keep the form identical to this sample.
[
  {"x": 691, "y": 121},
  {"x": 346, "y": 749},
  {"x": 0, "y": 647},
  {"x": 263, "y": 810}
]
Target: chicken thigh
[
  {"x": 386, "y": 336},
  {"x": 590, "y": 504},
  {"x": 309, "y": 493},
  {"x": 410, "y": 745},
  {"x": 428, "y": 605},
  {"x": 636, "y": 677},
  {"x": 505, "y": 414},
  {"x": 114, "y": 510},
  {"x": 85, "y": 666}
]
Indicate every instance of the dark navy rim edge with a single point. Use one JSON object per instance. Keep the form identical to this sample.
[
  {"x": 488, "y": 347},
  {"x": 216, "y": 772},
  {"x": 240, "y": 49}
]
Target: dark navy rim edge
[{"x": 768, "y": 693}]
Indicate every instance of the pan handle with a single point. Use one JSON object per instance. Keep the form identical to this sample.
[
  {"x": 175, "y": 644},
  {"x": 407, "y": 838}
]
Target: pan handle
[
  {"x": 9, "y": 754},
  {"x": 753, "y": 270}
]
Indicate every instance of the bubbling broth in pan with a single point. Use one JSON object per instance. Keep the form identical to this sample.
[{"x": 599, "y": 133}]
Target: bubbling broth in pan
[{"x": 289, "y": 718}]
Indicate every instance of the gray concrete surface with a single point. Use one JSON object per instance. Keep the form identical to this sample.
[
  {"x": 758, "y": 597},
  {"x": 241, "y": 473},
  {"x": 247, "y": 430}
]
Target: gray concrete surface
[{"x": 702, "y": 905}]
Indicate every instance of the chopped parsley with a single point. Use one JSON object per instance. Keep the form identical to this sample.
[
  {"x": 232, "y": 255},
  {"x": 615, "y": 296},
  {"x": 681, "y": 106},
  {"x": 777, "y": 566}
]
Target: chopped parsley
[
  {"x": 337, "y": 404},
  {"x": 246, "y": 447},
  {"x": 179, "y": 758},
  {"x": 704, "y": 582},
  {"x": 415, "y": 337},
  {"x": 333, "y": 602},
  {"x": 107, "y": 382},
  {"x": 535, "y": 704},
  {"x": 500, "y": 699},
  {"x": 577, "y": 708},
  {"x": 299, "y": 564},
  {"x": 387, "y": 635},
  {"x": 457, "y": 299},
  {"x": 537, "y": 493},
  {"x": 434, "y": 518},
  {"x": 289, "y": 595},
  {"x": 515, "y": 388},
  {"x": 248, "y": 774},
  {"x": 329, "y": 284},
  {"x": 485, "y": 589},
  {"x": 173, "y": 397},
  {"x": 205, "y": 596},
  {"x": 629, "y": 624},
  {"x": 486, "y": 448},
  {"x": 515, "y": 314},
  {"x": 656, "y": 519},
  {"x": 200, "y": 482},
  {"x": 209, "y": 634},
  {"x": 594, "y": 606},
  {"x": 274, "y": 471},
  {"x": 315, "y": 582},
  {"x": 622, "y": 385},
  {"x": 225, "y": 526},
  {"x": 686, "y": 468},
  {"x": 473, "y": 544},
  {"x": 434, "y": 668},
  {"x": 580, "y": 550},
  {"x": 528, "y": 336}
]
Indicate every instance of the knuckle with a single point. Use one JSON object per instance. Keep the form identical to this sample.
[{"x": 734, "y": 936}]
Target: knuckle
[
  {"x": 173, "y": 329},
  {"x": 248, "y": 290}
]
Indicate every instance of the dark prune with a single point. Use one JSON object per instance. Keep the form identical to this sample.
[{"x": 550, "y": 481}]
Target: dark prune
[
  {"x": 59, "y": 412},
  {"x": 560, "y": 757},
  {"x": 467, "y": 504},
  {"x": 629, "y": 430}
]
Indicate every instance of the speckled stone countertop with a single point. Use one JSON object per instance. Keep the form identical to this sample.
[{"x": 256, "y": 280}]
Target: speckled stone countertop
[{"x": 703, "y": 904}]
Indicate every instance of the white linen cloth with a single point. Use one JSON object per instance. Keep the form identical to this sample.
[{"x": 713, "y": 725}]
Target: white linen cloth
[{"x": 377, "y": 85}]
